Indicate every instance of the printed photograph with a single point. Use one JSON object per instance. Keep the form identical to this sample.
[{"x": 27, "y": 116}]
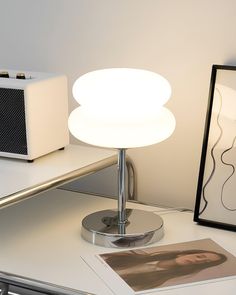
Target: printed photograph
[{"x": 171, "y": 265}]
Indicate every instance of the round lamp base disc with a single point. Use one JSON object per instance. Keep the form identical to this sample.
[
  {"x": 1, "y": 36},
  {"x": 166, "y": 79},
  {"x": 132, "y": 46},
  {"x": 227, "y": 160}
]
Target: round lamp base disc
[{"x": 142, "y": 228}]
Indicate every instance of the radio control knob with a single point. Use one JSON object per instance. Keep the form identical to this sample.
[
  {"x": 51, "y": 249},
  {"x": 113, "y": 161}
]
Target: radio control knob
[
  {"x": 4, "y": 74},
  {"x": 20, "y": 76}
]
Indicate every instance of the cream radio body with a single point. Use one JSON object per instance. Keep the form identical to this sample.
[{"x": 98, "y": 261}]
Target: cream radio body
[{"x": 33, "y": 114}]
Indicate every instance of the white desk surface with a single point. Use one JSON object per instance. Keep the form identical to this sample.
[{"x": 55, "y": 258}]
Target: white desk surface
[
  {"x": 40, "y": 239},
  {"x": 17, "y": 175}
]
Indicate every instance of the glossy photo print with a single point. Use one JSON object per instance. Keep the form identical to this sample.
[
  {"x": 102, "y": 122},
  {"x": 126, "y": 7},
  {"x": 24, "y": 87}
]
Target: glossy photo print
[
  {"x": 216, "y": 200},
  {"x": 142, "y": 270}
]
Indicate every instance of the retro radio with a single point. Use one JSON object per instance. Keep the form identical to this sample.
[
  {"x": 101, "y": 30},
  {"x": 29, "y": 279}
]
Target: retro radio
[{"x": 33, "y": 114}]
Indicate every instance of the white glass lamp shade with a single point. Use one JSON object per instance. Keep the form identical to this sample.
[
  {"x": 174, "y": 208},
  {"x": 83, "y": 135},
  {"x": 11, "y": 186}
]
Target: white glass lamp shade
[
  {"x": 114, "y": 132},
  {"x": 121, "y": 108},
  {"x": 121, "y": 87}
]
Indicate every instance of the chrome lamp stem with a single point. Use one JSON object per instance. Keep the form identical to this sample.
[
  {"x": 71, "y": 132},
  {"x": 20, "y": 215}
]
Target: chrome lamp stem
[{"x": 121, "y": 189}]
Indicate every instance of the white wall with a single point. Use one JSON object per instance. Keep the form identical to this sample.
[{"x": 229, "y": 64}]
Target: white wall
[{"x": 179, "y": 39}]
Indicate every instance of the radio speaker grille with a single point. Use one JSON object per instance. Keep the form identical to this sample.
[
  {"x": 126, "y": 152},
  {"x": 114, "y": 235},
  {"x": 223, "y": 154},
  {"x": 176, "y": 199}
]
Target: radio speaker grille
[{"x": 12, "y": 121}]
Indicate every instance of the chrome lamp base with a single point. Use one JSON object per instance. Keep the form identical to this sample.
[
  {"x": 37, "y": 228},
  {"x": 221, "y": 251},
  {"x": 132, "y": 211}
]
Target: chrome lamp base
[
  {"x": 141, "y": 228},
  {"x": 122, "y": 227}
]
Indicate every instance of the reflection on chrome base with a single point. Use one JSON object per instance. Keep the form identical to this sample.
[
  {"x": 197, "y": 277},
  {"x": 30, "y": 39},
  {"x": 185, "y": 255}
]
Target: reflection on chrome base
[{"x": 141, "y": 228}]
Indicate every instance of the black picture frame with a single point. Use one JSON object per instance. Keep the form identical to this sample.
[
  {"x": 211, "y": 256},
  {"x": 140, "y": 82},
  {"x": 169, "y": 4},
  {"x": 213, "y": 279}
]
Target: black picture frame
[{"x": 216, "y": 191}]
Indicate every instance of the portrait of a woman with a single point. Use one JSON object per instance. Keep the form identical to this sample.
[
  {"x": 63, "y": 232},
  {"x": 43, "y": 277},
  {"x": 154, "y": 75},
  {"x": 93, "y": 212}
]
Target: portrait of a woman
[{"x": 143, "y": 271}]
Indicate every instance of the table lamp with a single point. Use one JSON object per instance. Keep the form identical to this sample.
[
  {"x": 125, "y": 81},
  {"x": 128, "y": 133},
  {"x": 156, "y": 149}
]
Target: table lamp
[{"x": 121, "y": 108}]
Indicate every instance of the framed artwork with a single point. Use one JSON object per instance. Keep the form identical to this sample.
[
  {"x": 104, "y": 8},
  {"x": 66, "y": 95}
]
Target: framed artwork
[{"x": 216, "y": 192}]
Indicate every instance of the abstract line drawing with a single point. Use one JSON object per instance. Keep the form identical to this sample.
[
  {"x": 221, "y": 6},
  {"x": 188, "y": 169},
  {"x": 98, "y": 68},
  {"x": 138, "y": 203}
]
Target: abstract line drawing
[
  {"x": 229, "y": 177},
  {"x": 213, "y": 158}
]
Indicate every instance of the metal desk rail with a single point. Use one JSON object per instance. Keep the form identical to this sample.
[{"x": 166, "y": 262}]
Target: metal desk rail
[
  {"x": 11, "y": 284},
  {"x": 68, "y": 177}
]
